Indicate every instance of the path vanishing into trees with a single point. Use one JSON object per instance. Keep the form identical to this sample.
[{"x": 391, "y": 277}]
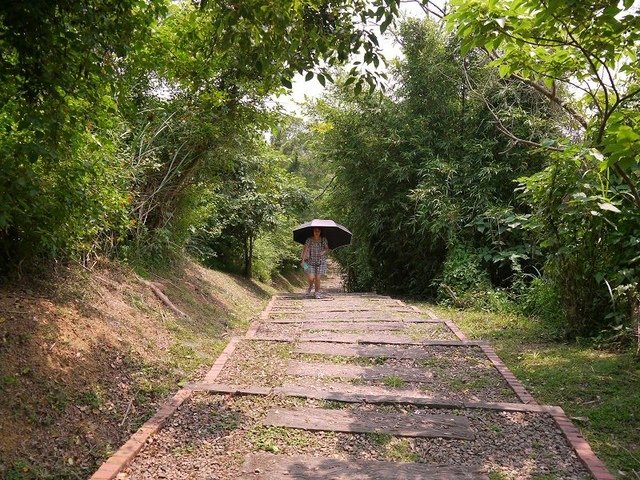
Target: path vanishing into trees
[{"x": 355, "y": 386}]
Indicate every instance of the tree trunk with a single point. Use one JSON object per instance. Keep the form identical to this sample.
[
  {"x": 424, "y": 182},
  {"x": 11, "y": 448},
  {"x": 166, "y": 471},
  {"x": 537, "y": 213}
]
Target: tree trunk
[
  {"x": 250, "y": 259},
  {"x": 245, "y": 251},
  {"x": 248, "y": 256}
]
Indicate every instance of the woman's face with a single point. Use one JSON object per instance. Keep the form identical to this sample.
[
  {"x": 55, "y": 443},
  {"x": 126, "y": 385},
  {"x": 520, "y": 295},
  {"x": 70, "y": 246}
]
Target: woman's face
[{"x": 316, "y": 233}]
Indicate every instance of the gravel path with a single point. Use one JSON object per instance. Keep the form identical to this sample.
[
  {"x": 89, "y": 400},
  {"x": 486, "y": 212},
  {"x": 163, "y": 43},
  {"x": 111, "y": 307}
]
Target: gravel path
[{"x": 211, "y": 434}]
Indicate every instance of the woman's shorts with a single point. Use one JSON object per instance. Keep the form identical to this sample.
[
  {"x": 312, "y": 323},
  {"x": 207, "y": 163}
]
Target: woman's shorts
[{"x": 317, "y": 269}]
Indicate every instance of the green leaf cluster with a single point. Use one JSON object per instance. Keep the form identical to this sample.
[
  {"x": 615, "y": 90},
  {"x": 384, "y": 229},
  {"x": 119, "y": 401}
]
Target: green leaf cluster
[{"x": 250, "y": 214}]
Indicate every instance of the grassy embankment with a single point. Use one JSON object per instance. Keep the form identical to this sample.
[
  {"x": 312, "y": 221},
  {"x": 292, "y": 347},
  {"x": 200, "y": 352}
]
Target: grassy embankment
[
  {"x": 87, "y": 356},
  {"x": 599, "y": 390}
]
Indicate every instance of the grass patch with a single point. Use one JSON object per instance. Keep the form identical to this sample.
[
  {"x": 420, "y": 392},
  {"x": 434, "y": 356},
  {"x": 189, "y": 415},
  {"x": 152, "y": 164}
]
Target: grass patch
[
  {"x": 188, "y": 449},
  {"x": 393, "y": 381},
  {"x": 378, "y": 360},
  {"x": 458, "y": 385},
  {"x": 57, "y": 399},
  {"x": 8, "y": 380},
  {"x": 418, "y": 332},
  {"x": 395, "y": 449},
  {"x": 400, "y": 451},
  {"x": 152, "y": 383},
  {"x": 93, "y": 398},
  {"x": 599, "y": 386},
  {"x": 333, "y": 405},
  {"x": 190, "y": 350},
  {"x": 498, "y": 476},
  {"x": 283, "y": 351},
  {"x": 23, "y": 470},
  {"x": 136, "y": 300},
  {"x": 380, "y": 439},
  {"x": 273, "y": 439},
  {"x": 434, "y": 362}
]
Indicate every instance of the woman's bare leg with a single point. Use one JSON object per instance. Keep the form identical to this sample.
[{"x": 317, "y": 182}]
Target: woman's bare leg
[
  {"x": 310, "y": 279},
  {"x": 317, "y": 282}
]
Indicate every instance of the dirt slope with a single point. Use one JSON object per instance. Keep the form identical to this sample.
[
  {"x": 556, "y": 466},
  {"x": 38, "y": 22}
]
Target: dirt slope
[{"x": 85, "y": 357}]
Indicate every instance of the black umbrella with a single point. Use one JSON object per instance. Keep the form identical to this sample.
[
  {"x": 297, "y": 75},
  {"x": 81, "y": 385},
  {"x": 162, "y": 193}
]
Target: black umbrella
[{"x": 336, "y": 234}]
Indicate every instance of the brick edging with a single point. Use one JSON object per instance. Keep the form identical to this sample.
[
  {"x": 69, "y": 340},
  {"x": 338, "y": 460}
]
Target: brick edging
[
  {"x": 456, "y": 330},
  {"x": 595, "y": 466},
  {"x": 267, "y": 310},
  {"x": 125, "y": 454},
  {"x": 216, "y": 368},
  {"x": 514, "y": 383},
  {"x": 264, "y": 315},
  {"x": 450, "y": 325},
  {"x": 253, "y": 329},
  {"x": 119, "y": 460}
]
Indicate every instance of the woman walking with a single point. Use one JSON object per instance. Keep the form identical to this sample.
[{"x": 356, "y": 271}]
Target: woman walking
[{"x": 314, "y": 260}]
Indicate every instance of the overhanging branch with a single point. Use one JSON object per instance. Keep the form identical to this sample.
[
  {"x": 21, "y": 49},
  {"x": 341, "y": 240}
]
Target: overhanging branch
[{"x": 501, "y": 127}]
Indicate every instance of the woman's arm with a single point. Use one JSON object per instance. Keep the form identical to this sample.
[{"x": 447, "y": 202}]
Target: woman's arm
[{"x": 305, "y": 254}]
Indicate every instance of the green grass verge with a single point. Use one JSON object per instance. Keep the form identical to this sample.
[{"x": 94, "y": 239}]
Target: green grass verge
[{"x": 599, "y": 390}]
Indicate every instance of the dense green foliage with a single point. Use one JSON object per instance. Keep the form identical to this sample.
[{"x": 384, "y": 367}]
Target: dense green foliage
[
  {"x": 61, "y": 181},
  {"x": 585, "y": 202},
  {"x": 256, "y": 200},
  {"x": 121, "y": 117},
  {"x": 427, "y": 181},
  {"x": 487, "y": 177}
]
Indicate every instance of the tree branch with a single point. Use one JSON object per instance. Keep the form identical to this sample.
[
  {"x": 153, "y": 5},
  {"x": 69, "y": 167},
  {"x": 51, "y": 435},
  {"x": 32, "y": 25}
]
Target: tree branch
[
  {"x": 153, "y": 286},
  {"x": 607, "y": 111},
  {"x": 326, "y": 187},
  {"x": 499, "y": 123},
  {"x": 630, "y": 183},
  {"x": 629, "y": 95},
  {"x": 555, "y": 99},
  {"x": 429, "y": 8},
  {"x": 551, "y": 95}
]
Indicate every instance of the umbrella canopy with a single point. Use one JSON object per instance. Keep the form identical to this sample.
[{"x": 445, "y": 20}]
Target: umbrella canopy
[{"x": 336, "y": 234}]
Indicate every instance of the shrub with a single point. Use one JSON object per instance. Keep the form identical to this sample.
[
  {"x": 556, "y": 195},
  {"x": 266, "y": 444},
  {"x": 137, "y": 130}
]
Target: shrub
[
  {"x": 462, "y": 275},
  {"x": 541, "y": 298}
]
